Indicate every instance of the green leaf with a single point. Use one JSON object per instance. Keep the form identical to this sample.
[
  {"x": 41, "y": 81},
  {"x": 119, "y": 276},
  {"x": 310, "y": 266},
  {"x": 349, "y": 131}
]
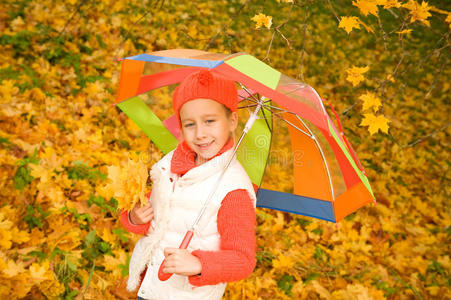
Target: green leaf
[
  {"x": 317, "y": 231},
  {"x": 39, "y": 254},
  {"x": 110, "y": 206},
  {"x": 22, "y": 176},
  {"x": 35, "y": 215},
  {"x": 318, "y": 253},
  {"x": 91, "y": 238},
  {"x": 124, "y": 268},
  {"x": 81, "y": 171},
  {"x": 311, "y": 276},
  {"x": 285, "y": 284},
  {"x": 72, "y": 267},
  {"x": 104, "y": 247},
  {"x": 303, "y": 222},
  {"x": 121, "y": 233},
  {"x": 100, "y": 41}
]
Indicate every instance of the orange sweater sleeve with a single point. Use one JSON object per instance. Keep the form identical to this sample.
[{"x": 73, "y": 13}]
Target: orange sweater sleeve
[
  {"x": 236, "y": 258},
  {"x": 138, "y": 229}
]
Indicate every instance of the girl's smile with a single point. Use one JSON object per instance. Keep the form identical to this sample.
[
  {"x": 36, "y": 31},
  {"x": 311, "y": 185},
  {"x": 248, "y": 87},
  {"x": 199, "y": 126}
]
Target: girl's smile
[{"x": 206, "y": 127}]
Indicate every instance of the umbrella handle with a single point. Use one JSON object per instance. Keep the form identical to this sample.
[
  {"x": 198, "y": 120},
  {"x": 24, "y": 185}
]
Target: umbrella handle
[{"x": 186, "y": 240}]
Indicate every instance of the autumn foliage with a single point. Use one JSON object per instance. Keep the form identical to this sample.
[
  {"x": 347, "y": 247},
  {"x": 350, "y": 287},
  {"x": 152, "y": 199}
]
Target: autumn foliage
[{"x": 383, "y": 64}]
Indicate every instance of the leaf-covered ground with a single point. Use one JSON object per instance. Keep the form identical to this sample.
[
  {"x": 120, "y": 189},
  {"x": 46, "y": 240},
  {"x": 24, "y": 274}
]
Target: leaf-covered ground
[{"x": 383, "y": 64}]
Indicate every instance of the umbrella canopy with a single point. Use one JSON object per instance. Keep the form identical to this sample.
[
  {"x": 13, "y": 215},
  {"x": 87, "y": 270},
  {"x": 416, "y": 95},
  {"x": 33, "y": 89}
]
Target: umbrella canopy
[{"x": 327, "y": 180}]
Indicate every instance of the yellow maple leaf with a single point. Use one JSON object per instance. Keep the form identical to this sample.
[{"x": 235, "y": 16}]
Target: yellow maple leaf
[
  {"x": 355, "y": 74},
  {"x": 51, "y": 288},
  {"x": 93, "y": 88},
  {"x": 320, "y": 290},
  {"x": 445, "y": 262},
  {"x": 366, "y": 7},
  {"x": 448, "y": 20},
  {"x": 348, "y": 23},
  {"x": 5, "y": 232},
  {"x": 285, "y": 1},
  {"x": 433, "y": 290},
  {"x": 370, "y": 100},
  {"x": 40, "y": 271},
  {"x": 312, "y": 226},
  {"x": 7, "y": 89},
  {"x": 40, "y": 171},
  {"x": 283, "y": 261},
  {"x": 357, "y": 291},
  {"x": 13, "y": 268},
  {"x": 262, "y": 20},
  {"x": 278, "y": 222},
  {"x": 375, "y": 123},
  {"x": 19, "y": 236},
  {"x": 127, "y": 184},
  {"x": 37, "y": 94},
  {"x": 388, "y": 3},
  {"x": 418, "y": 12},
  {"x": 112, "y": 263},
  {"x": 107, "y": 236}
]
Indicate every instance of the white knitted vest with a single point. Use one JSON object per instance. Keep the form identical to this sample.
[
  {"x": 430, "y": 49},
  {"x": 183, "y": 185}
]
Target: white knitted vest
[{"x": 177, "y": 203}]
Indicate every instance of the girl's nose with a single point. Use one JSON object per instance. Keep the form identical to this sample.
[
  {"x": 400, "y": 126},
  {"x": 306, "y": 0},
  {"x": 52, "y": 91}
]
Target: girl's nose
[{"x": 200, "y": 131}]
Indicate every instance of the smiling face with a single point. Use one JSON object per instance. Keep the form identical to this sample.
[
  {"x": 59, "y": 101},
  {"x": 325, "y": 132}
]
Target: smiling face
[{"x": 206, "y": 127}]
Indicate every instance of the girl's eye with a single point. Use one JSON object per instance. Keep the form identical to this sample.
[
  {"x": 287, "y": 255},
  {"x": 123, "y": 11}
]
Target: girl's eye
[
  {"x": 210, "y": 121},
  {"x": 188, "y": 125}
]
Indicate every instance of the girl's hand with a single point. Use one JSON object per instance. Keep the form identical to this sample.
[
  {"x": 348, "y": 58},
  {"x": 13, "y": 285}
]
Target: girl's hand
[
  {"x": 141, "y": 214},
  {"x": 181, "y": 262}
]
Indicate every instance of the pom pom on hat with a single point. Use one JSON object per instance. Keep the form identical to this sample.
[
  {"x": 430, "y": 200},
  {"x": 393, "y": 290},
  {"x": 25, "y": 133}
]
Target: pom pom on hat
[
  {"x": 207, "y": 85},
  {"x": 205, "y": 77}
]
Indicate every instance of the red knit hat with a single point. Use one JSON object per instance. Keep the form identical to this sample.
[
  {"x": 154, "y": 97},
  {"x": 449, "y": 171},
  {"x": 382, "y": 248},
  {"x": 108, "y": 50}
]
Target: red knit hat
[{"x": 208, "y": 85}]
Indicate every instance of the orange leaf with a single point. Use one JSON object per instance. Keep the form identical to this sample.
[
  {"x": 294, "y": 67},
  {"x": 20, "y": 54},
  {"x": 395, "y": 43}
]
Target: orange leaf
[
  {"x": 348, "y": 23},
  {"x": 355, "y": 74},
  {"x": 366, "y": 7},
  {"x": 375, "y": 123},
  {"x": 370, "y": 100},
  {"x": 418, "y": 12},
  {"x": 262, "y": 20}
]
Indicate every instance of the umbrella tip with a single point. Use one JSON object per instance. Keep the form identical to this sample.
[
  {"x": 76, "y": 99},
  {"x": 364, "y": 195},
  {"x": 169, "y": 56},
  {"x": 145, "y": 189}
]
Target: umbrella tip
[{"x": 120, "y": 59}]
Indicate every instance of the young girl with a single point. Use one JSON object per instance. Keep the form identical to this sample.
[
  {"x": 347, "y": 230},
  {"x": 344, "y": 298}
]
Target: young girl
[{"x": 223, "y": 246}]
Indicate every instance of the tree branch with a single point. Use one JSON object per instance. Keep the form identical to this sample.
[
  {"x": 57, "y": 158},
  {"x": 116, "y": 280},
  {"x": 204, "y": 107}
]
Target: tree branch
[{"x": 427, "y": 135}]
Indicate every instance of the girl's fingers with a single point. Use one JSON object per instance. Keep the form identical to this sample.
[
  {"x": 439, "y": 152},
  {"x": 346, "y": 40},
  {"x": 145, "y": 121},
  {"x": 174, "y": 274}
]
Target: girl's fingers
[
  {"x": 145, "y": 209},
  {"x": 168, "y": 251},
  {"x": 147, "y": 219},
  {"x": 146, "y": 212},
  {"x": 147, "y": 215},
  {"x": 141, "y": 208},
  {"x": 141, "y": 218},
  {"x": 148, "y": 209}
]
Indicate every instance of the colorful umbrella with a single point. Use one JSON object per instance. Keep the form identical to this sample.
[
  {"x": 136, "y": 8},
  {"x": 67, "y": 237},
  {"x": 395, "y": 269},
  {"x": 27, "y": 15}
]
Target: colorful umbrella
[{"x": 323, "y": 176}]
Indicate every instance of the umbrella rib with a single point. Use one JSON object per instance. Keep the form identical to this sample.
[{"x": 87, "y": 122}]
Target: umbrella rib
[
  {"x": 264, "y": 116},
  {"x": 250, "y": 99},
  {"x": 266, "y": 120},
  {"x": 247, "y": 106},
  {"x": 288, "y": 122},
  {"x": 257, "y": 101},
  {"x": 249, "y": 93},
  {"x": 291, "y": 92},
  {"x": 286, "y": 111}
]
